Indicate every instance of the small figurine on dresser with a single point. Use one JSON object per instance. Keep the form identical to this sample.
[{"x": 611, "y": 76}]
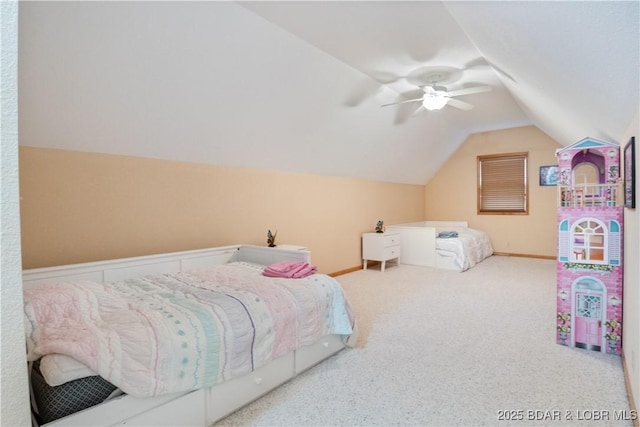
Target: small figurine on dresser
[
  {"x": 271, "y": 238},
  {"x": 380, "y": 227}
]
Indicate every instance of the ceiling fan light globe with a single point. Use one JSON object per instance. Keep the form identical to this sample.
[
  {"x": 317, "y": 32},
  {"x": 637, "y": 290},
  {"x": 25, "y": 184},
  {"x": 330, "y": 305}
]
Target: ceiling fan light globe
[{"x": 434, "y": 101}]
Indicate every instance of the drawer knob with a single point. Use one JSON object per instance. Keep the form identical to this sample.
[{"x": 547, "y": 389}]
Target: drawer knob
[
  {"x": 325, "y": 344},
  {"x": 258, "y": 380}
]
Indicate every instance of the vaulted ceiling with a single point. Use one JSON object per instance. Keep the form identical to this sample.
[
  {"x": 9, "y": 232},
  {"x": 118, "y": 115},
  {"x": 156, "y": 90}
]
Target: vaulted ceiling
[{"x": 298, "y": 86}]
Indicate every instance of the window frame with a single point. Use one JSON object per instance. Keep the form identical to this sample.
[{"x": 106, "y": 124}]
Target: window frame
[
  {"x": 525, "y": 184},
  {"x": 589, "y": 232}
]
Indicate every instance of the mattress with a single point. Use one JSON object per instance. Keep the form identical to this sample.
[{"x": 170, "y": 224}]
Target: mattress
[{"x": 53, "y": 402}]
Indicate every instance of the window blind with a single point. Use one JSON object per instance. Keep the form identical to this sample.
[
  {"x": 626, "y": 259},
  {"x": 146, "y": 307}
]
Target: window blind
[{"x": 502, "y": 183}]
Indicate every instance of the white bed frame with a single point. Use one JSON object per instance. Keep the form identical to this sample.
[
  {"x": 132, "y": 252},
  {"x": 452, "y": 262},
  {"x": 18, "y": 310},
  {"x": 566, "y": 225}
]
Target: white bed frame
[
  {"x": 200, "y": 407},
  {"x": 418, "y": 243}
]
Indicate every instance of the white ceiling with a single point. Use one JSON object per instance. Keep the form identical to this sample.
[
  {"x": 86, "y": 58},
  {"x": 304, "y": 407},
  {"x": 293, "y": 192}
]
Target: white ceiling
[{"x": 298, "y": 86}]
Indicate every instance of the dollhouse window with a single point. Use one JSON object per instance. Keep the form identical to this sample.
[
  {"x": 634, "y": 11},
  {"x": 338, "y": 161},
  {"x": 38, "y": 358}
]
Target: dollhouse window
[
  {"x": 588, "y": 306},
  {"x": 585, "y": 174},
  {"x": 589, "y": 242}
]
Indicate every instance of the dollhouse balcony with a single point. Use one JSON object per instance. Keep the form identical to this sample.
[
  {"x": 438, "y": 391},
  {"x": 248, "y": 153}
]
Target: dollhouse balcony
[{"x": 590, "y": 195}]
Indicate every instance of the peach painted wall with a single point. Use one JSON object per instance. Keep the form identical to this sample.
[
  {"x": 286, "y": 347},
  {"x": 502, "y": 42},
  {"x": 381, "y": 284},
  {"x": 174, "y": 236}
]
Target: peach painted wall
[
  {"x": 79, "y": 207},
  {"x": 451, "y": 193},
  {"x": 631, "y": 277}
]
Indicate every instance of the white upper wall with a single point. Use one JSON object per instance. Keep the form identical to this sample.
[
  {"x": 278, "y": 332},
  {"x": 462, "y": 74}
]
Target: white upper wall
[
  {"x": 573, "y": 66},
  {"x": 297, "y": 86}
]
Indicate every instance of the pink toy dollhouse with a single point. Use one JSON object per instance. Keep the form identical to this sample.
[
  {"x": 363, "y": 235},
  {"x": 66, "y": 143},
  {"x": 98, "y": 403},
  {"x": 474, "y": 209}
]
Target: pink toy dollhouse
[{"x": 589, "y": 270}]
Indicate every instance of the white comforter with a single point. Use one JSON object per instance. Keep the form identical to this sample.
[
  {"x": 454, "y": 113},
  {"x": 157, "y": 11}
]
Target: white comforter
[{"x": 469, "y": 248}]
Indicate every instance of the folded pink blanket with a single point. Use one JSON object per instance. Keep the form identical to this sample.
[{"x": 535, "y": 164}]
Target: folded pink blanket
[{"x": 289, "y": 269}]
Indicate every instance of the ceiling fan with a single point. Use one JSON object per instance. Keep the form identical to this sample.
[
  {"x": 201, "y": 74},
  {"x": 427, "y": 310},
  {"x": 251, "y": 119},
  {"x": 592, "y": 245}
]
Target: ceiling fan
[{"x": 436, "y": 97}]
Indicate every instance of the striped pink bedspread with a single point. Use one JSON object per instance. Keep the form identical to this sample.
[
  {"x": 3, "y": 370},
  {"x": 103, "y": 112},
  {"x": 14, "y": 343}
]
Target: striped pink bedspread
[{"x": 176, "y": 332}]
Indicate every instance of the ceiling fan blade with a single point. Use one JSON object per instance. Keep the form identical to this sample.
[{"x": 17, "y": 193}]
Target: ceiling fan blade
[
  {"x": 459, "y": 104},
  {"x": 470, "y": 90},
  {"x": 402, "y": 102}
]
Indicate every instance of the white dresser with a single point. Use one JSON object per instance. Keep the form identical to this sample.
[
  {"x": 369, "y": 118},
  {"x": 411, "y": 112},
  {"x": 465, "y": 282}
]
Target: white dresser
[{"x": 380, "y": 247}]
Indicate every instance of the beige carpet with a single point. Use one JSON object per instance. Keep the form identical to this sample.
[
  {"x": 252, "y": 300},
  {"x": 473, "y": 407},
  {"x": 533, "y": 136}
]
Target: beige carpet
[{"x": 440, "y": 348}]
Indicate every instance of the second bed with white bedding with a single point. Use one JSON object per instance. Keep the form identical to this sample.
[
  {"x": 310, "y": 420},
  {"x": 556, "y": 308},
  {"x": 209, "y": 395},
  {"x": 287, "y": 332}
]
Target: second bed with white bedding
[{"x": 420, "y": 244}]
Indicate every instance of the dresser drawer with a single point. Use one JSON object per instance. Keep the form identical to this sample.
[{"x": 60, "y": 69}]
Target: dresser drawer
[
  {"x": 391, "y": 252},
  {"x": 390, "y": 240}
]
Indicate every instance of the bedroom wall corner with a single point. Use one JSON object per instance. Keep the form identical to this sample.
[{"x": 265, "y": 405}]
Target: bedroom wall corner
[
  {"x": 451, "y": 193},
  {"x": 14, "y": 390},
  {"x": 631, "y": 307}
]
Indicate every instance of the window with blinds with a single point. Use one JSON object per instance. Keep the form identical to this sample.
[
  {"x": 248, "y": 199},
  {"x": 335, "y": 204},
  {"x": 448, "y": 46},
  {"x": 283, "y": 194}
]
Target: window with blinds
[{"x": 502, "y": 184}]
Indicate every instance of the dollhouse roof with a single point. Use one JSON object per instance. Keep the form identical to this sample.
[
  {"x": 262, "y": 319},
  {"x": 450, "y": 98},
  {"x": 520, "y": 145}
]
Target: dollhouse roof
[{"x": 587, "y": 143}]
